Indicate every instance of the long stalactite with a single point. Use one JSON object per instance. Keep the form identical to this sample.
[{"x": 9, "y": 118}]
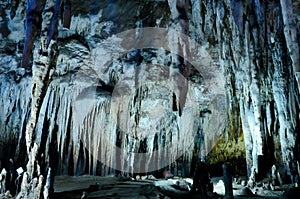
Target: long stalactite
[{"x": 63, "y": 113}]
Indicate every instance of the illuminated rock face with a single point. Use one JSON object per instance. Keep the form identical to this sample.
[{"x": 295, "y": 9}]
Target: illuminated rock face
[{"x": 104, "y": 106}]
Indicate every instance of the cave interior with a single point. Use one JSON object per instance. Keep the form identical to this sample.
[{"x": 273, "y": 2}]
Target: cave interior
[{"x": 102, "y": 95}]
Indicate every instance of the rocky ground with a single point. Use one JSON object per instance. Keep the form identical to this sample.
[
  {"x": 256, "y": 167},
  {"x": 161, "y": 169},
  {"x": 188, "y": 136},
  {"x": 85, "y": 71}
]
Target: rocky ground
[{"x": 149, "y": 187}]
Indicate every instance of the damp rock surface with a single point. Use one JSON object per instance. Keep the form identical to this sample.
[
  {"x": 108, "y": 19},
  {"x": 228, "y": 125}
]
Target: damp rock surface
[{"x": 123, "y": 87}]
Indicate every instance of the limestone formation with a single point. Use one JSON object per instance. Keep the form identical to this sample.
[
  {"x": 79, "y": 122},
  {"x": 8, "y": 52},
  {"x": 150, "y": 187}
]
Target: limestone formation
[{"x": 138, "y": 87}]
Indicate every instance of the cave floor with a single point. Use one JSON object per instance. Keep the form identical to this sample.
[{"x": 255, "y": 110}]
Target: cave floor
[{"x": 73, "y": 187}]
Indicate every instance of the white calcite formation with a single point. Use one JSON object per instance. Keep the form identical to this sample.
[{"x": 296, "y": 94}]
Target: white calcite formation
[{"x": 108, "y": 95}]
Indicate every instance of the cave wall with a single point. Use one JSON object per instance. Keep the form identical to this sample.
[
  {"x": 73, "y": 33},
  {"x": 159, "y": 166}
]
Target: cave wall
[
  {"x": 242, "y": 93},
  {"x": 264, "y": 86}
]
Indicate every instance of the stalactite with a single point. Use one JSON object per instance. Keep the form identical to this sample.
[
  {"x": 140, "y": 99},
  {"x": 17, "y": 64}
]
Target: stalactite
[
  {"x": 247, "y": 136},
  {"x": 51, "y": 29},
  {"x": 280, "y": 90},
  {"x": 77, "y": 119},
  {"x": 32, "y": 25},
  {"x": 179, "y": 11},
  {"x": 290, "y": 32},
  {"x": 66, "y": 13},
  {"x": 253, "y": 64}
]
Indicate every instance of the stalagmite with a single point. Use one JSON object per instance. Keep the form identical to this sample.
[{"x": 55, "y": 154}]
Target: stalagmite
[
  {"x": 43, "y": 60},
  {"x": 227, "y": 178},
  {"x": 3, "y": 181},
  {"x": 252, "y": 179},
  {"x": 273, "y": 174}
]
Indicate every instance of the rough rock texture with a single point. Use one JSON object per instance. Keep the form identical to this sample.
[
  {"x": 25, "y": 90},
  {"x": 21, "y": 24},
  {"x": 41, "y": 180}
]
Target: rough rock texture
[{"x": 87, "y": 100}]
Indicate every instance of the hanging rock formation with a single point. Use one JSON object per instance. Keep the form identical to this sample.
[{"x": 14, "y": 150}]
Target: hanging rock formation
[{"x": 88, "y": 87}]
